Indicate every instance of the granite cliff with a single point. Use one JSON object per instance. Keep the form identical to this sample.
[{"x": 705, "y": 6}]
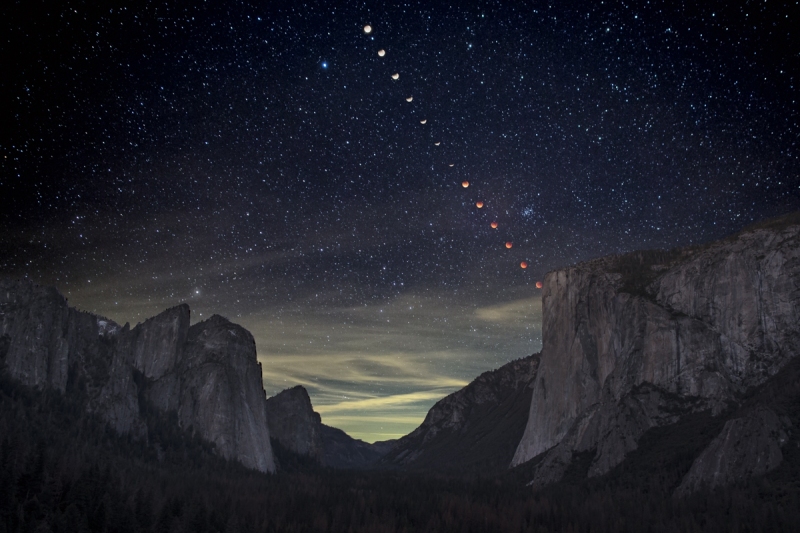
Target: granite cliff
[
  {"x": 299, "y": 429},
  {"x": 635, "y": 342},
  {"x": 475, "y": 429},
  {"x": 206, "y": 373}
]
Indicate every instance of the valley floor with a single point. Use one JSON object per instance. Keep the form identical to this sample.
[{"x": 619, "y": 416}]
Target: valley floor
[{"x": 61, "y": 470}]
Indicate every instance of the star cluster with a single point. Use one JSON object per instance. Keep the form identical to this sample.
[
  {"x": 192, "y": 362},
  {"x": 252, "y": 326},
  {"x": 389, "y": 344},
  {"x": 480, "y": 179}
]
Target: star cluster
[{"x": 259, "y": 160}]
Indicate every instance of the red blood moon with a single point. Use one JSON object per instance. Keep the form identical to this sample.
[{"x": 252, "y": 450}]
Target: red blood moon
[
  {"x": 538, "y": 284},
  {"x": 494, "y": 225},
  {"x": 479, "y": 205},
  {"x": 509, "y": 244},
  {"x": 523, "y": 265},
  {"x": 465, "y": 184}
]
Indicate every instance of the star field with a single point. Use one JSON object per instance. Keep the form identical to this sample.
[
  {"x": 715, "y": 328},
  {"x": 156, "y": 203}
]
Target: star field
[{"x": 259, "y": 161}]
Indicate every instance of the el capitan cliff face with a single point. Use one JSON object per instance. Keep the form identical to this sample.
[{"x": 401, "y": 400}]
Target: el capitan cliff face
[
  {"x": 206, "y": 373},
  {"x": 704, "y": 326}
]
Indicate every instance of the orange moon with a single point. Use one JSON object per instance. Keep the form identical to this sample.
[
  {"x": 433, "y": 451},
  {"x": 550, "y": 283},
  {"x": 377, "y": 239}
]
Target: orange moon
[
  {"x": 479, "y": 205},
  {"x": 494, "y": 225},
  {"x": 367, "y": 29},
  {"x": 509, "y": 244},
  {"x": 465, "y": 184},
  {"x": 381, "y": 53},
  {"x": 523, "y": 265},
  {"x": 538, "y": 284}
]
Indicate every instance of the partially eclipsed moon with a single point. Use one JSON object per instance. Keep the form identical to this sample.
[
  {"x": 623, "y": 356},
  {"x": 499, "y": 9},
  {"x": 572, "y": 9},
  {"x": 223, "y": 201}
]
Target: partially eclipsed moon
[
  {"x": 381, "y": 53},
  {"x": 479, "y": 205},
  {"x": 509, "y": 244},
  {"x": 523, "y": 265},
  {"x": 465, "y": 184},
  {"x": 409, "y": 98},
  {"x": 395, "y": 76},
  {"x": 493, "y": 225},
  {"x": 538, "y": 284},
  {"x": 437, "y": 144},
  {"x": 367, "y": 29},
  {"x": 423, "y": 121},
  {"x": 451, "y": 164}
]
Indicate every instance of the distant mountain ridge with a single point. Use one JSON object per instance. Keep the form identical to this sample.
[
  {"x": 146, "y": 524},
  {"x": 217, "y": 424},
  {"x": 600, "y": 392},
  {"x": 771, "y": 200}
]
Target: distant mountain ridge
[
  {"x": 299, "y": 429},
  {"x": 475, "y": 429}
]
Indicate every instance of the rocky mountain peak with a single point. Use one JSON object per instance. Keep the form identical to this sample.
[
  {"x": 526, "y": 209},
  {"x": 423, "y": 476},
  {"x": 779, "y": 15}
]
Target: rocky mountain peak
[{"x": 207, "y": 373}]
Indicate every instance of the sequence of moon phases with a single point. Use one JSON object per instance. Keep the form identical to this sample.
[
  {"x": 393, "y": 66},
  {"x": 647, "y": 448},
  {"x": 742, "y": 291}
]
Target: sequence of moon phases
[
  {"x": 465, "y": 184},
  {"x": 538, "y": 284}
]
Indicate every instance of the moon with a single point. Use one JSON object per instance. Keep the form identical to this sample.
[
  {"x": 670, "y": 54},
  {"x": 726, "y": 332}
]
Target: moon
[
  {"x": 479, "y": 205},
  {"x": 367, "y": 29},
  {"x": 395, "y": 76},
  {"x": 493, "y": 225},
  {"x": 423, "y": 121},
  {"x": 437, "y": 144},
  {"x": 509, "y": 244},
  {"x": 451, "y": 164},
  {"x": 381, "y": 52},
  {"x": 409, "y": 98},
  {"x": 465, "y": 184},
  {"x": 538, "y": 284},
  {"x": 523, "y": 265}
]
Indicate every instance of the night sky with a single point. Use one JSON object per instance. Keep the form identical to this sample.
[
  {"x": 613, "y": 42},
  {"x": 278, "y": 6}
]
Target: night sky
[{"x": 258, "y": 160}]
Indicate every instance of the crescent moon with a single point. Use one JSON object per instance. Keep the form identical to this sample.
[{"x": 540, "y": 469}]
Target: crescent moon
[{"x": 423, "y": 121}]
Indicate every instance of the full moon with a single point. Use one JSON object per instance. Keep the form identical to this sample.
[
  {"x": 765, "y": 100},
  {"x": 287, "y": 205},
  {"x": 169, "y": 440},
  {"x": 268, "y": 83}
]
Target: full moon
[
  {"x": 509, "y": 244},
  {"x": 538, "y": 284},
  {"x": 367, "y": 29},
  {"x": 523, "y": 265},
  {"x": 465, "y": 184},
  {"x": 494, "y": 225},
  {"x": 381, "y": 53},
  {"x": 479, "y": 204}
]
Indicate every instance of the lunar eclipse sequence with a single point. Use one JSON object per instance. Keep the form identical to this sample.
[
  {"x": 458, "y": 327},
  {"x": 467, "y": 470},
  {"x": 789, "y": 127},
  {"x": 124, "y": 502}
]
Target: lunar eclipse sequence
[{"x": 465, "y": 184}]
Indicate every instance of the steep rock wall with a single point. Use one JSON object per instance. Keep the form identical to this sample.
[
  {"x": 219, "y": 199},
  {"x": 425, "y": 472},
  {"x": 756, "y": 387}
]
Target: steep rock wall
[
  {"x": 208, "y": 373},
  {"x": 712, "y": 323}
]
